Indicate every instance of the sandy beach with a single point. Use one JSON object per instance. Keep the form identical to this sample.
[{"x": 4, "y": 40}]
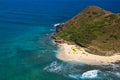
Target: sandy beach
[{"x": 73, "y": 53}]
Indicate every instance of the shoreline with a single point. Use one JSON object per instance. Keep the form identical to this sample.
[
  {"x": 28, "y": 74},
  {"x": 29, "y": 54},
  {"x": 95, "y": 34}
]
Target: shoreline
[{"x": 74, "y": 53}]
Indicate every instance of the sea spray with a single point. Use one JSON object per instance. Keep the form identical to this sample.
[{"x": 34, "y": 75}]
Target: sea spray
[{"x": 54, "y": 67}]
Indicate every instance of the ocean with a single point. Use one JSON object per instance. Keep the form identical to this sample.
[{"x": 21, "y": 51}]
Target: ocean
[{"x": 27, "y": 51}]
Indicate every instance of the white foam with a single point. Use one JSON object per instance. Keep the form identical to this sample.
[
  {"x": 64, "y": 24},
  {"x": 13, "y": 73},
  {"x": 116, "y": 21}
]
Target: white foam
[
  {"x": 115, "y": 66},
  {"x": 53, "y": 67},
  {"x": 58, "y": 24},
  {"x": 117, "y": 74},
  {"x": 90, "y": 74}
]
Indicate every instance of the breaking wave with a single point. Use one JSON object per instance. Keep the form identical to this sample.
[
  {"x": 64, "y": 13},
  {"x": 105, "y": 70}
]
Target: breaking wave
[
  {"x": 90, "y": 74},
  {"x": 86, "y": 75},
  {"x": 55, "y": 25},
  {"x": 54, "y": 67},
  {"x": 84, "y": 72}
]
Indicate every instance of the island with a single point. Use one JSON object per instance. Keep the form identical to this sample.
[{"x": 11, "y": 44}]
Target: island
[{"x": 90, "y": 37}]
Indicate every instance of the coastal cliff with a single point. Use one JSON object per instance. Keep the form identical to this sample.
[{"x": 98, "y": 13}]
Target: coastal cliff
[{"x": 94, "y": 28}]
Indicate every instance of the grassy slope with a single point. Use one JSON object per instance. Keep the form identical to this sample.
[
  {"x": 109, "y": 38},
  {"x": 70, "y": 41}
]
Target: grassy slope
[{"x": 94, "y": 28}]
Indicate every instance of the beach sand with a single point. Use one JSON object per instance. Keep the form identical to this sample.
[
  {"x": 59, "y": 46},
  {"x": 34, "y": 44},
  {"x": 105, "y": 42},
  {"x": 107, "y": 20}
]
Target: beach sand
[{"x": 73, "y": 53}]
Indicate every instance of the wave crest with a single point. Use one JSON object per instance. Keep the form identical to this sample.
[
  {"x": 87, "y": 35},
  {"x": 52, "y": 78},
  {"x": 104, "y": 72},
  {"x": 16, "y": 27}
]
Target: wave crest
[
  {"x": 55, "y": 25},
  {"x": 90, "y": 74}
]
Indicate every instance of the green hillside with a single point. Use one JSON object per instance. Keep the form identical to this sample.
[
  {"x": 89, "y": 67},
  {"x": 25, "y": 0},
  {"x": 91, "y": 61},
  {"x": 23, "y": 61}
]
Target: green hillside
[{"x": 93, "y": 28}]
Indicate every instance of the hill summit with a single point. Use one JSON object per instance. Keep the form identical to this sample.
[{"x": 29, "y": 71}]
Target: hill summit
[{"x": 94, "y": 28}]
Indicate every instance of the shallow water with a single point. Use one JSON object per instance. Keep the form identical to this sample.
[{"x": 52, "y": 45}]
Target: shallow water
[{"x": 27, "y": 51}]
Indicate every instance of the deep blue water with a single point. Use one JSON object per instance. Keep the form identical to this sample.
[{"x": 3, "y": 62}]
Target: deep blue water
[{"x": 27, "y": 51}]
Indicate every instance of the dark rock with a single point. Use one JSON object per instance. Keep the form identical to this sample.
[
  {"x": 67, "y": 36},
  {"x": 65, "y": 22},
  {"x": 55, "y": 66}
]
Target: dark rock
[
  {"x": 58, "y": 27},
  {"x": 58, "y": 41},
  {"x": 117, "y": 62},
  {"x": 53, "y": 36}
]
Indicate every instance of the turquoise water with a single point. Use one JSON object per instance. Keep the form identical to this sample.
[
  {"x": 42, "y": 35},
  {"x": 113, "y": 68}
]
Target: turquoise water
[{"x": 27, "y": 51}]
